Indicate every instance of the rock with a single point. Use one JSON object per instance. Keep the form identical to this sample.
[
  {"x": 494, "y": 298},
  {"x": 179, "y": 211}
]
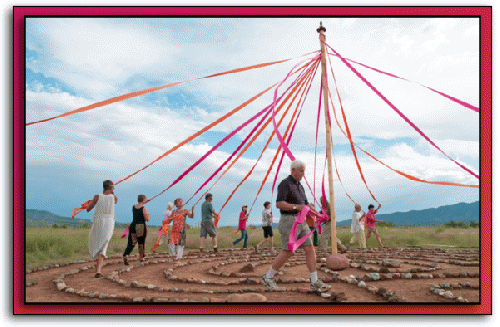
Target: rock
[
  {"x": 215, "y": 299},
  {"x": 337, "y": 262},
  {"x": 160, "y": 299},
  {"x": 384, "y": 270},
  {"x": 326, "y": 295},
  {"x": 252, "y": 281},
  {"x": 246, "y": 297},
  {"x": 448, "y": 295},
  {"x": 375, "y": 276},
  {"x": 338, "y": 297},
  {"x": 362, "y": 284},
  {"x": 138, "y": 299},
  {"x": 394, "y": 298},
  {"x": 247, "y": 268},
  {"x": 391, "y": 263},
  {"x": 381, "y": 291}
]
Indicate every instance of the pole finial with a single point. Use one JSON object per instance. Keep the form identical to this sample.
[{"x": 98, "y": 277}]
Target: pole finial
[{"x": 321, "y": 28}]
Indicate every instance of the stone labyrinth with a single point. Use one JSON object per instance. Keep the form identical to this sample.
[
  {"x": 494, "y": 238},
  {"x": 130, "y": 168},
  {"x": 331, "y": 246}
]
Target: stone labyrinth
[{"x": 377, "y": 275}]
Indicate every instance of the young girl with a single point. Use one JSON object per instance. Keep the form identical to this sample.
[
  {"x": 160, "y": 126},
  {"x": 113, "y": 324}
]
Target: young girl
[
  {"x": 103, "y": 224},
  {"x": 242, "y": 225},
  {"x": 179, "y": 227},
  {"x": 137, "y": 230},
  {"x": 371, "y": 223}
]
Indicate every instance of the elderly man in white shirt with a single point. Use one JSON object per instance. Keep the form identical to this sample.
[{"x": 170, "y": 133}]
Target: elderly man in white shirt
[{"x": 357, "y": 228}]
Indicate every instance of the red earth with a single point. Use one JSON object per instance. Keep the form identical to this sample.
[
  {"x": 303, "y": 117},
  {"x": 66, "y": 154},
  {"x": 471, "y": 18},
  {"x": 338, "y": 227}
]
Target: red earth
[{"x": 209, "y": 277}]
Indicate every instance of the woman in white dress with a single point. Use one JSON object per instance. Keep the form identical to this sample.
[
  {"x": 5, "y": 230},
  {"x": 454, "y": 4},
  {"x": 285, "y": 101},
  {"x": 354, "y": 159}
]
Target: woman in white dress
[{"x": 103, "y": 224}]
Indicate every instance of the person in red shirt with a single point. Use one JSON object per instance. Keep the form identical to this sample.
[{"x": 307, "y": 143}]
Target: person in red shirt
[
  {"x": 371, "y": 223},
  {"x": 242, "y": 225}
]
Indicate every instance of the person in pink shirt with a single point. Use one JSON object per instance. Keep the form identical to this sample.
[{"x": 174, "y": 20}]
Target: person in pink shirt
[
  {"x": 371, "y": 223},
  {"x": 242, "y": 225}
]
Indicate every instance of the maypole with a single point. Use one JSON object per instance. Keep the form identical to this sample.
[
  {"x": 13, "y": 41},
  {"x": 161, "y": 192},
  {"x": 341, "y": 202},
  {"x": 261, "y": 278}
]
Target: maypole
[{"x": 322, "y": 40}]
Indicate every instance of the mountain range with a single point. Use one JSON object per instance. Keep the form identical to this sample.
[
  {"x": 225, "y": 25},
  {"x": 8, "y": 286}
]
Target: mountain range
[{"x": 465, "y": 212}]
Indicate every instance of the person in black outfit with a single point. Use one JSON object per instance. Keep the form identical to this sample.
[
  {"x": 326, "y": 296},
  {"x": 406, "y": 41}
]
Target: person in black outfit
[{"x": 137, "y": 230}]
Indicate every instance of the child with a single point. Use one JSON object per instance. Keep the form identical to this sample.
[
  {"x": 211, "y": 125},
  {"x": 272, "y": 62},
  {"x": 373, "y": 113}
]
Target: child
[
  {"x": 179, "y": 227},
  {"x": 103, "y": 223},
  {"x": 267, "y": 226},
  {"x": 137, "y": 230},
  {"x": 242, "y": 225},
  {"x": 371, "y": 223}
]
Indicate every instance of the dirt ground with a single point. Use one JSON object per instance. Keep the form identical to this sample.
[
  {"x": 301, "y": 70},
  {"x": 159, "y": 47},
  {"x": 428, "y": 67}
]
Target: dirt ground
[{"x": 209, "y": 277}]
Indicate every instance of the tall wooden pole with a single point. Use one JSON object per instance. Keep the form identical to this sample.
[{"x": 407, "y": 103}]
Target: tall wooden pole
[{"x": 322, "y": 38}]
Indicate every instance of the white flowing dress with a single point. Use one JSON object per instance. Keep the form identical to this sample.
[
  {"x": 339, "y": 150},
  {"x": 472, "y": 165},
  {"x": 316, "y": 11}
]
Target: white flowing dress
[{"x": 103, "y": 224}]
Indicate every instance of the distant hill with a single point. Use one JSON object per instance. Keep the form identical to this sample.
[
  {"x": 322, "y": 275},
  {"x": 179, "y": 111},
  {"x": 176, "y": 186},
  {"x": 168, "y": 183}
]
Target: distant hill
[
  {"x": 430, "y": 217},
  {"x": 43, "y": 218}
]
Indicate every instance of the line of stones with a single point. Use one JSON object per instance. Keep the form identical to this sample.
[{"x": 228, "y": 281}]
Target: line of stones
[
  {"x": 113, "y": 276},
  {"x": 424, "y": 258},
  {"x": 441, "y": 290}
]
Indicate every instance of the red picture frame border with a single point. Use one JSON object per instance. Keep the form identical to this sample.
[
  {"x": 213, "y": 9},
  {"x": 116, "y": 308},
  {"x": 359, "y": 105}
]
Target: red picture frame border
[{"x": 21, "y": 308}]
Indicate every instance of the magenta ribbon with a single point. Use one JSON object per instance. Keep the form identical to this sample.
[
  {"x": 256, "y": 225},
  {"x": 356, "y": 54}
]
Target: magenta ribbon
[
  {"x": 125, "y": 233},
  {"x": 268, "y": 108},
  {"x": 211, "y": 150},
  {"x": 290, "y": 137},
  {"x": 462, "y": 103},
  {"x": 398, "y": 111},
  {"x": 293, "y": 243}
]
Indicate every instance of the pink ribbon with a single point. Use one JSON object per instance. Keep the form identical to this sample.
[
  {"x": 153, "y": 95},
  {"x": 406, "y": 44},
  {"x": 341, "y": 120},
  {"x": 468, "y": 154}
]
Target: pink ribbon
[
  {"x": 398, "y": 111},
  {"x": 211, "y": 150},
  {"x": 462, "y": 103},
  {"x": 293, "y": 243},
  {"x": 125, "y": 233},
  {"x": 248, "y": 136}
]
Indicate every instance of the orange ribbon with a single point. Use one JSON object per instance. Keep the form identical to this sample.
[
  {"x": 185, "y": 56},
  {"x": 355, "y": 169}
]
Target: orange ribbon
[
  {"x": 301, "y": 83},
  {"x": 154, "y": 89},
  {"x": 76, "y": 211}
]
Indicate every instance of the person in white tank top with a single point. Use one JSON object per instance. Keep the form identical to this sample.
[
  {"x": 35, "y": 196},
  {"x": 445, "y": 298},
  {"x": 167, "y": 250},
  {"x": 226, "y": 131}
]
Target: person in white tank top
[{"x": 103, "y": 224}]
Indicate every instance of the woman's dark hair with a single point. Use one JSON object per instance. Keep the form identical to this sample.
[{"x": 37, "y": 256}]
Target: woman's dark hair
[
  {"x": 371, "y": 206},
  {"x": 266, "y": 203},
  {"x": 106, "y": 185},
  {"x": 208, "y": 196},
  {"x": 177, "y": 200},
  {"x": 141, "y": 198}
]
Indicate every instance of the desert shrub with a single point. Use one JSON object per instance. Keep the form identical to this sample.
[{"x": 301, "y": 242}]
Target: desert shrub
[
  {"x": 474, "y": 224},
  {"x": 55, "y": 226}
]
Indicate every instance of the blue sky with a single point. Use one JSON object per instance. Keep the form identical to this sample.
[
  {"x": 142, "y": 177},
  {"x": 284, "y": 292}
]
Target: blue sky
[{"x": 73, "y": 62}]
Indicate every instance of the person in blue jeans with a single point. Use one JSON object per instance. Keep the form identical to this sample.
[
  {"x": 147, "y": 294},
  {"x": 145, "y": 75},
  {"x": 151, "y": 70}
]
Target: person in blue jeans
[{"x": 242, "y": 225}]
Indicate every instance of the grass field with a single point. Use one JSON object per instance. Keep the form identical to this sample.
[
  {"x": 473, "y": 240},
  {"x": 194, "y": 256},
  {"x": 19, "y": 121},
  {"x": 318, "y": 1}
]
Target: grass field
[{"x": 54, "y": 245}]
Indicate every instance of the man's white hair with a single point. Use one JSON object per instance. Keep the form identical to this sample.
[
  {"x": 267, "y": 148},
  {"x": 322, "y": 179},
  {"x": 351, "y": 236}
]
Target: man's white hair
[
  {"x": 297, "y": 164},
  {"x": 170, "y": 206}
]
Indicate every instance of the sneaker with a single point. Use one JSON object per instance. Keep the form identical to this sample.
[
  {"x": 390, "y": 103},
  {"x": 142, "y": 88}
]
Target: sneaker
[
  {"x": 125, "y": 260},
  {"x": 256, "y": 249},
  {"x": 271, "y": 284},
  {"x": 215, "y": 250},
  {"x": 319, "y": 286},
  {"x": 98, "y": 275}
]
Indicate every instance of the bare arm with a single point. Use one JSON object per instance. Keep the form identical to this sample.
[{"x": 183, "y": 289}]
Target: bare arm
[
  {"x": 92, "y": 203},
  {"x": 283, "y": 205},
  {"x": 146, "y": 214},
  {"x": 116, "y": 198},
  {"x": 190, "y": 215},
  {"x": 363, "y": 216}
]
